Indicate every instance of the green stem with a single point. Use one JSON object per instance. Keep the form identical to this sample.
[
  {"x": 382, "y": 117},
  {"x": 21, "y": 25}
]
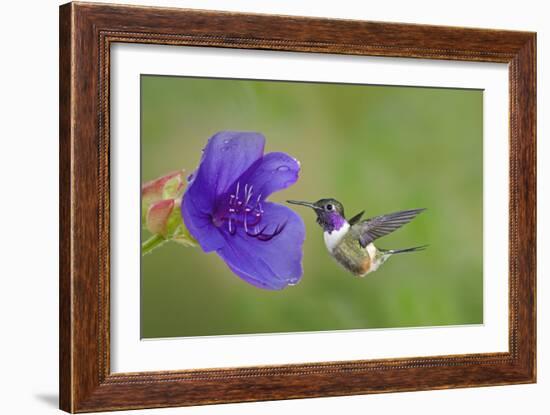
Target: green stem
[{"x": 152, "y": 243}]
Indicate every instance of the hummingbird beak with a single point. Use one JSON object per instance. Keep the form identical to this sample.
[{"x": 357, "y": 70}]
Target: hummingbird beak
[{"x": 299, "y": 202}]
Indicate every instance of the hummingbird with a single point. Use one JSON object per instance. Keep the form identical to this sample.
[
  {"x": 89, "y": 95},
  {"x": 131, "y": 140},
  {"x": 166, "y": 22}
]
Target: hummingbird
[{"x": 350, "y": 242}]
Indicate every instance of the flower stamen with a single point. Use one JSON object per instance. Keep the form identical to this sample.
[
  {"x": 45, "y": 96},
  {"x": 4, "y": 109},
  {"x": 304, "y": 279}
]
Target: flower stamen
[
  {"x": 262, "y": 236},
  {"x": 245, "y": 210}
]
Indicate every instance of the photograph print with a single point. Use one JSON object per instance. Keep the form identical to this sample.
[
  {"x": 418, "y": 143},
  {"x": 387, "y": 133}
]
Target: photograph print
[{"x": 287, "y": 207}]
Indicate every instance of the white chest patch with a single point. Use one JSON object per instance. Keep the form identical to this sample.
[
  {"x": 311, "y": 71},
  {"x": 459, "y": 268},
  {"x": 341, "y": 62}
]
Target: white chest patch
[
  {"x": 333, "y": 238},
  {"x": 371, "y": 249}
]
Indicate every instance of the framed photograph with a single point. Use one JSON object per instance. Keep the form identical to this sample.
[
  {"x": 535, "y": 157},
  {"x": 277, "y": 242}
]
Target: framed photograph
[{"x": 258, "y": 207}]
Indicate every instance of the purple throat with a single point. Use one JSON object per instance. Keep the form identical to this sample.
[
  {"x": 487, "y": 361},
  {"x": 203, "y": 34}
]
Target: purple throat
[
  {"x": 243, "y": 208},
  {"x": 336, "y": 222}
]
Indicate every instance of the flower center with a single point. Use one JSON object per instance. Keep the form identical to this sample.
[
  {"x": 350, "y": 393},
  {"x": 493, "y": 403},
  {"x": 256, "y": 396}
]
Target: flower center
[{"x": 244, "y": 208}]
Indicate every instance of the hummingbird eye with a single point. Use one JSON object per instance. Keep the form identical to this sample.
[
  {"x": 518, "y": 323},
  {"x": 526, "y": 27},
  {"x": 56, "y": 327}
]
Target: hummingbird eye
[{"x": 329, "y": 207}]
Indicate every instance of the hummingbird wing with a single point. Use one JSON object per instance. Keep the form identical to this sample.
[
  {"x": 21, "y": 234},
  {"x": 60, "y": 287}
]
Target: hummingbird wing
[
  {"x": 356, "y": 218},
  {"x": 374, "y": 228}
]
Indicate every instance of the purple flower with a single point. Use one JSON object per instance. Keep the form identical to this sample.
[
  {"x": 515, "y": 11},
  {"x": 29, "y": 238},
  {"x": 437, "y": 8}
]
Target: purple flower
[{"x": 225, "y": 209}]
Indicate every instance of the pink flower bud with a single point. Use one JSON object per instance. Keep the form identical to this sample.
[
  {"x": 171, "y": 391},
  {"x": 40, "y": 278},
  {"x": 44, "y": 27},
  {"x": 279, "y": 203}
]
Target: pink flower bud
[
  {"x": 160, "y": 211},
  {"x": 158, "y": 214},
  {"x": 153, "y": 191}
]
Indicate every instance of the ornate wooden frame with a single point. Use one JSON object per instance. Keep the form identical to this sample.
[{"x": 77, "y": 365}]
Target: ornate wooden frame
[{"x": 86, "y": 33}]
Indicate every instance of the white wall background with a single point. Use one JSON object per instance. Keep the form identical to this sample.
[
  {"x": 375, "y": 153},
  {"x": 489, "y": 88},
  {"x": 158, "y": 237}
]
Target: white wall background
[{"x": 29, "y": 206}]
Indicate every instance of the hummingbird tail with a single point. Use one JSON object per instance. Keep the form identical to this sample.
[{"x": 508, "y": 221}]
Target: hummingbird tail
[{"x": 400, "y": 251}]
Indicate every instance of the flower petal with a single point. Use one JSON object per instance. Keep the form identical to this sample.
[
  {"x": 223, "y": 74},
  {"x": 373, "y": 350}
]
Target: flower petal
[
  {"x": 198, "y": 221},
  {"x": 276, "y": 171},
  {"x": 271, "y": 264},
  {"x": 227, "y": 155}
]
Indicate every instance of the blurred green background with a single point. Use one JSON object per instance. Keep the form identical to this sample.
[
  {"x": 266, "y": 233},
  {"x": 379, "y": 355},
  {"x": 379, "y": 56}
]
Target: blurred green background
[{"x": 378, "y": 148}]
